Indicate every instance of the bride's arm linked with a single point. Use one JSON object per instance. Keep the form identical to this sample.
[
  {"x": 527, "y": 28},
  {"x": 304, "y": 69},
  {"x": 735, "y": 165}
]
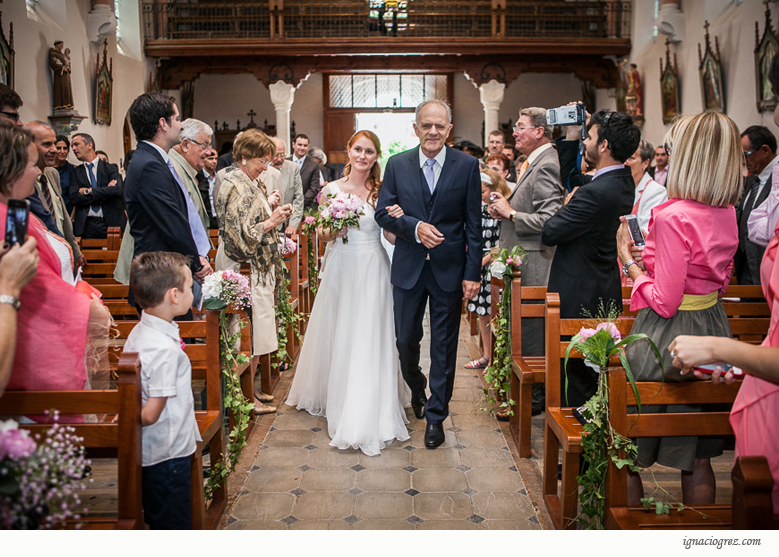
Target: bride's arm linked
[
  {"x": 396, "y": 212},
  {"x": 405, "y": 226}
]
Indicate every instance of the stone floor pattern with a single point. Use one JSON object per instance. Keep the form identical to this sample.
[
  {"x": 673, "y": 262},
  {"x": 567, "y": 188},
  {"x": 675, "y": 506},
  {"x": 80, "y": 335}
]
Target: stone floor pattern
[{"x": 471, "y": 482}]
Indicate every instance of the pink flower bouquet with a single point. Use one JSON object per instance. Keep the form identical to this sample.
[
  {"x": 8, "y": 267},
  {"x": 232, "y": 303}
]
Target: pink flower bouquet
[
  {"x": 286, "y": 245},
  {"x": 226, "y": 288},
  {"x": 341, "y": 210}
]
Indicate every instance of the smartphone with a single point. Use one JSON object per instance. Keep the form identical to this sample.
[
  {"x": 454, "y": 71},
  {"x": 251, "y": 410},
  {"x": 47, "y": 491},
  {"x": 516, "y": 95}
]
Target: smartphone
[
  {"x": 635, "y": 230},
  {"x": 16, "y": 221},
  {"x": 708, "y": 369}
]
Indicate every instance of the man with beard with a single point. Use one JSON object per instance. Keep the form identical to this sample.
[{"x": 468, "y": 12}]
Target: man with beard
[{"x": 585, "y": 232}]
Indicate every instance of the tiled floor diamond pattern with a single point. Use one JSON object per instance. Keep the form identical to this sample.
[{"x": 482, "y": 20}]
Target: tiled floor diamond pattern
[{"x": 469, "y": 483}]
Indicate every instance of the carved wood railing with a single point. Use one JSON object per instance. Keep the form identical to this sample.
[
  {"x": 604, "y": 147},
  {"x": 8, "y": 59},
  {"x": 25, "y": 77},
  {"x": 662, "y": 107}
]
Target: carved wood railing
[{"x": 313, "y": 19}]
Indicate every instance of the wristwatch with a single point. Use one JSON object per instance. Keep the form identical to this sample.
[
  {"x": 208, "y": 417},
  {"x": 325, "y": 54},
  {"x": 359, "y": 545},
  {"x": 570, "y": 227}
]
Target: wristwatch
[
  {"x": 626, "y": 266},
  {"x": 11, "y": 301},
  {"x": 511, "y": 215}
]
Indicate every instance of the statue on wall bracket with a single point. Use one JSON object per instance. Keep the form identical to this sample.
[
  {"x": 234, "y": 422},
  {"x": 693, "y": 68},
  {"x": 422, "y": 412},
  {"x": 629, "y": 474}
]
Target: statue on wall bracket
[
  {"x": 765, "y": 50},
  {"x": 104, "y": 87},
  {"x": 7, "y": 55},
  {"x": 630, "y": 92},
  {"x": 669, "y": 86},
  {"x": 710, "y": 71},
  {"x": 66, "y": 118}
]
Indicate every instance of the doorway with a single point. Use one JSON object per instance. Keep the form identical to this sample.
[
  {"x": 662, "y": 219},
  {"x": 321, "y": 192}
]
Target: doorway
[{"x": 395, "y": 131}]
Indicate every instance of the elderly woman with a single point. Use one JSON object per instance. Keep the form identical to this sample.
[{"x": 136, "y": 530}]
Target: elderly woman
[
  {"x": 53, "y": 317},
  {"x": 247, "y": 229},
  {"x": 686, "y": 267},
  {"x": 649, "y": 194}
]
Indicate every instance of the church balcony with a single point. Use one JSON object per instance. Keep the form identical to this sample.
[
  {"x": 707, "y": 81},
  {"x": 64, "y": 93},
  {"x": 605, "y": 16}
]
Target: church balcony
[{"x": 312, "y": 28}]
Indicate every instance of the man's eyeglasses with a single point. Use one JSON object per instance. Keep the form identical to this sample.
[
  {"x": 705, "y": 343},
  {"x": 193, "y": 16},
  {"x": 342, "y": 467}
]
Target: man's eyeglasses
[
  {"x": 747, "y": 153},
  {"x": 15, "y": 116},
  {"x": 201, "y": 145},
  {"x": 525, "y": 127}
]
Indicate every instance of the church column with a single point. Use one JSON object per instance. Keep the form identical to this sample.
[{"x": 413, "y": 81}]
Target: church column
[
  {"x": 282, "y": 95},
  {"x": 491, "y": 96}
]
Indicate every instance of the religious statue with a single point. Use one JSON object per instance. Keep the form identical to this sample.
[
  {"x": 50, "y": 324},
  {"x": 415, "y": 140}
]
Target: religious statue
[
  {"x": 59, "y": 62},
  {"x": 634, "y": 97}
]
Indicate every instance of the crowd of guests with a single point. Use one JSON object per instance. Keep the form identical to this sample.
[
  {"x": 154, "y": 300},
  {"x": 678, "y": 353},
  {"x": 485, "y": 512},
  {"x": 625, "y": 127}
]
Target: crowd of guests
[{"x": 702, "y": 223}]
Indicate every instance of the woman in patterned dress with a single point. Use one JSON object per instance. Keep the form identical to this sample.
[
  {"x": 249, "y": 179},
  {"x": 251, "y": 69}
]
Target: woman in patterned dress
[{"x": 491, "y": 182}]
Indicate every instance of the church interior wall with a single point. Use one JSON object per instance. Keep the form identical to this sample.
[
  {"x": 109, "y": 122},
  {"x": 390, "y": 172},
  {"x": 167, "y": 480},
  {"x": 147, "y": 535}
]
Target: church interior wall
[
  {"x": 67, "y": 21},
  {"x": 734, "y": 24},
  {"x": 230, "y": 97},
  {"x": 467, "y": 111},
  {"x": 545, "y": 90},
  {"x": 308, "y": 110}
]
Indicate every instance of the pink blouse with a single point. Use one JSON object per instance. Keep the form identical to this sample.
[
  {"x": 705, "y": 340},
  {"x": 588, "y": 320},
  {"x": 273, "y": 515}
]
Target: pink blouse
[{"x": 689, "y": 250}]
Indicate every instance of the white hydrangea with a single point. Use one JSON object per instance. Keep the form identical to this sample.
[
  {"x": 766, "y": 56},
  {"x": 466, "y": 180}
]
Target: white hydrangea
[
  {"x": 212, "y": 286},
  {"x": 497, "y": 269}
]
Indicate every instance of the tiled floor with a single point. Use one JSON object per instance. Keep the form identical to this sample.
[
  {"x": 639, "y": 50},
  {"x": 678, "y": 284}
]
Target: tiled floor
[{"x": 471, "y": 482}]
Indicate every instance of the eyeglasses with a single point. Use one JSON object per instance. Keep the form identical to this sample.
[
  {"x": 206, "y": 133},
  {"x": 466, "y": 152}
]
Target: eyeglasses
[
  {"x": 747, "y": 153},
  {"x": 201, "y": 145},
  {"x": 265, "y": 162},
  {"x": 15, "y": 116},
  {"x": 525, "y": 127},
  {"x": 606, "y": 119},
  {"x": 667, "y": 147}
]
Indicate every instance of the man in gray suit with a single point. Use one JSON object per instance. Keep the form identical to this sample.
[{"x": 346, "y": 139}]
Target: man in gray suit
[
  {"x": 289, "y": 186},
  {"x": 538, "y": 196}
]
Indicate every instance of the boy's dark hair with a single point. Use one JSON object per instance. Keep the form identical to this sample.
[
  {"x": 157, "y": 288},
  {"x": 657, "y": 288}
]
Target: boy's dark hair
[
  {"x": 145, "y": 114},
  {"x": 301, "y": 136},
  {"x": 153, "y": 273},
  {"x": 63, "y": 138},
  {"x": 9, "y": 97},
  {"x": 619, "y": 130},
  {"x": 759, "y": 136}
]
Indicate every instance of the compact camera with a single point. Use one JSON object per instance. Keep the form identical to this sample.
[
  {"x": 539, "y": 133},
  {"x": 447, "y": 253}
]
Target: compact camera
[{"x": 573, "y": 115}]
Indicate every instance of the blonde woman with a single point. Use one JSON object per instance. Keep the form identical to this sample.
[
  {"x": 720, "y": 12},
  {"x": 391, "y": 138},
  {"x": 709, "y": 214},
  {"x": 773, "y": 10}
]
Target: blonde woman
[{"x": 684, "y": 268}]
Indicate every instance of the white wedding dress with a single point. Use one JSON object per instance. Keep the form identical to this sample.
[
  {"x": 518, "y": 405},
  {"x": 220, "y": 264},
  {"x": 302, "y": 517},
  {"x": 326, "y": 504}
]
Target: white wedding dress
[{"x": 348, "y": 369}]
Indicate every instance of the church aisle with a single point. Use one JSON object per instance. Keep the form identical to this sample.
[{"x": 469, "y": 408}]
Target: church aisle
[{"x": 471, "y": 482}]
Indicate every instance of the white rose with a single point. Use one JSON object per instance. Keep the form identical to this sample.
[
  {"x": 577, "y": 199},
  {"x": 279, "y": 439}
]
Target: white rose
[
  {"x": 8, "y": 425},
  {"x": 497, "y": 269},
  {"x": 212, "y": 286}
]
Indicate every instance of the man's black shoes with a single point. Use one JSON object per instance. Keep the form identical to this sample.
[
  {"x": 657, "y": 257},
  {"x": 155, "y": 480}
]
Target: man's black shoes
[
  {"x": 418, "y": 402},
  {"x": 434, "y": 435}
]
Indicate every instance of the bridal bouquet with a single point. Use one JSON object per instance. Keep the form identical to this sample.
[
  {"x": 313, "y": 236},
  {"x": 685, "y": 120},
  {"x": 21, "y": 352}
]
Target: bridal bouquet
[
  {"x": 286, "y": 245},
  {"x": 340, "y": 211},
  {"x": 226, "y": 288},
  {"x": 40, "y": 476}
]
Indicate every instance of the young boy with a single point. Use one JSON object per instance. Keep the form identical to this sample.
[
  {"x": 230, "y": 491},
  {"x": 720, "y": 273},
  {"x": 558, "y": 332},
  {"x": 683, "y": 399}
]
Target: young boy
[{"x": 162, "y": 283}]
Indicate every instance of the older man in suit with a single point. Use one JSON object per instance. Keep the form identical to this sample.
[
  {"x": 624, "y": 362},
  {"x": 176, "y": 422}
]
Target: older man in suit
[
  {"x": 289, "y": 185},
  {"x": 309, "y": 170},
  {"x": 585, "y": 232},
  {"x": 537, "y": 197},
  {"x": 48, "y": 185},
  {"x": 96, "y": 193},
  {"x": 188, "y": 158},
  {"x": 759, "y": 146},
  {"x": 162, "y": 214},
  {"x": 437, "y": 255}
]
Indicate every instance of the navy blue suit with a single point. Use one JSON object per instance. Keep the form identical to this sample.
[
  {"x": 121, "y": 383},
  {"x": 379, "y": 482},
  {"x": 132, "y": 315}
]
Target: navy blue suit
[
  {"x": 419, "y": 274},
  {"x": 110, "y": 198},
  {"x": 157, "y": 208}
]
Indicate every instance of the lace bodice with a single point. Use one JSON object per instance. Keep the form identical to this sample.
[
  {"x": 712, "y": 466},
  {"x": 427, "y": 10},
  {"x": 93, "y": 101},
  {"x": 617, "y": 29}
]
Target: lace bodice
[{"x": 369, "y": 233}]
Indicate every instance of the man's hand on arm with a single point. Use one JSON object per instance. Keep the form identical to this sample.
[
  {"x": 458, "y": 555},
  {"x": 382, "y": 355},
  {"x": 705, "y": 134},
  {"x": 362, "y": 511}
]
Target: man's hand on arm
[{"x": 429, "y": 235}]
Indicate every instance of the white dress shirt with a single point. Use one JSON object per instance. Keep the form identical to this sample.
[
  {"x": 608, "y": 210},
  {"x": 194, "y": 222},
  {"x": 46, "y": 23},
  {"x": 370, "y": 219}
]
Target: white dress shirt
[
  {"x": 165, "y": 372},
  {"x": 762, "y": 220},
  {"x": 94, "y": 163}
]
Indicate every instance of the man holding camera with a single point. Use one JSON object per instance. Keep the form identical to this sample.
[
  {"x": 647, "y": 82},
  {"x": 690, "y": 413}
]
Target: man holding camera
[
  {"x": 585, "y": 231},
  {"x": 536, "y": 198}
]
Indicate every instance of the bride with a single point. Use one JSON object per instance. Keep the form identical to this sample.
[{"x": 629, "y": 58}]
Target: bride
[{"x": 348, "y": 367}]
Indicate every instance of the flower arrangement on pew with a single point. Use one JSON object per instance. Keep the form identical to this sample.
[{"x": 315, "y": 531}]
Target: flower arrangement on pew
[
  {"x": 225, "y": 290},
  {"x": 507, "y": 266},
  {"x": 40, "y": 476},
  {"x": 341, "y": 210},
  {"x": 309, "y": 229},
  {"x": 285, "y": 314},
  {"x": 600, "y": 443}
]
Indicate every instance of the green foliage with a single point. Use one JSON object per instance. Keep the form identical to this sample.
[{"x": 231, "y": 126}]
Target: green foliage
[
  {"x": 285, "y": 315},
  {"x": 234, "y": 402}
]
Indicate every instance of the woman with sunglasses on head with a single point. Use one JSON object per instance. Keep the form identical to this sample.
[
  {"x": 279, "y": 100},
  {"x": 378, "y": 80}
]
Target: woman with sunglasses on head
[{"x": 685, "y": 267}]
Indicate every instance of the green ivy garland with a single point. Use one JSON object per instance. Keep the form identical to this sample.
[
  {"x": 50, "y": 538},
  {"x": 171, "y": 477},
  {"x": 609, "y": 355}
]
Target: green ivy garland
[
  {"x": 285, "y": 315},
  {"x": 234, "y": 402}
]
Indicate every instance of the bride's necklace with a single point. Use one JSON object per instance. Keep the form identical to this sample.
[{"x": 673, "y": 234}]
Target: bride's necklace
[{"x": 355, "y": 190}]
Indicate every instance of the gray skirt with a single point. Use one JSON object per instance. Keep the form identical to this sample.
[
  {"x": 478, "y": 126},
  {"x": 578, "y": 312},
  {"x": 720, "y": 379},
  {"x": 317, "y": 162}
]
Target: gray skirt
[{"x": 674, "y": 452}]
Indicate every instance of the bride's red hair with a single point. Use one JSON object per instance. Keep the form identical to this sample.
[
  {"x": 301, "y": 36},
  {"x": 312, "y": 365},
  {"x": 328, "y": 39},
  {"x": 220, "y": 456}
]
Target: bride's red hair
[{"x": 375, "y": 175}]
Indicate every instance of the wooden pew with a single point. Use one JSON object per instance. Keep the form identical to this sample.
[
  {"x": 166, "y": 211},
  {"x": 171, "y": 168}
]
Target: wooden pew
[
  {"x": 113, "y": 240},
  {"x": 562, "y": 429},
  {"x": 752, "y": 503},
  {"x": 526, "y": 370},
  {"x": 121, "y": 439}
]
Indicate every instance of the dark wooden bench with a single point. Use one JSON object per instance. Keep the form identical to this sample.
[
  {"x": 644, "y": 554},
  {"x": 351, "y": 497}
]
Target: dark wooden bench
[
  {"x": 120, "y": 439},
  {"x": 113, "y": 240},
  {"x": 562, "y": 429},
  {"x": 752, "y": 502}
]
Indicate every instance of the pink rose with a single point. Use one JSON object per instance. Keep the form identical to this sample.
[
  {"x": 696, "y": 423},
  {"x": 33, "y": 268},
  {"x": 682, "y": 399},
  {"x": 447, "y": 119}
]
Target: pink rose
[
  {"x": 585, "y": 333},
  {"x": 509, "y": 261},
  {"x": 610, "y": 328},
  {"x": 16, "y": 444},
  {"x": 309, "y": 220}
]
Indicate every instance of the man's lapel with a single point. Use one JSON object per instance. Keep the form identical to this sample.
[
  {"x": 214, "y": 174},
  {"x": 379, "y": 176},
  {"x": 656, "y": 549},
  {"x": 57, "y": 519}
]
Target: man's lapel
[
  {"x": 415, "y": 179},
  {"x": 526, "y": 174}
]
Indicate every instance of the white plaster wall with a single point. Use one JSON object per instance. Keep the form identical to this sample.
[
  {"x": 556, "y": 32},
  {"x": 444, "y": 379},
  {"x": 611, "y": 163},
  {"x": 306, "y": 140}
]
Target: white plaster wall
[
  {"x": 467, "y": 111},
  {"x": 230, "y": 97},
  {"x": 734, "y": 24},
  {"x": 545, "y": 90},
  {"x": 68, "y": 22},
  {"x": 307, "y": 111}
]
